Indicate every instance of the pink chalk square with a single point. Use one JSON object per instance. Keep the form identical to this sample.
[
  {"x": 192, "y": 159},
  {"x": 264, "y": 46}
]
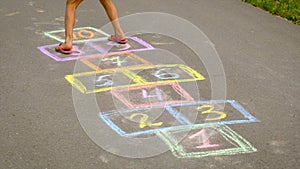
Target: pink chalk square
[{"x": 159, "y": 94}]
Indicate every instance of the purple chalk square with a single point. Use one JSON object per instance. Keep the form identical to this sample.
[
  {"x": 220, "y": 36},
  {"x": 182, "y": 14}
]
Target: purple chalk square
[{"x": 97, "y": 47}]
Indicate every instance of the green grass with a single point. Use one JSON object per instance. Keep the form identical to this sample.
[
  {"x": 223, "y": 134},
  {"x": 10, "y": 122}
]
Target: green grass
[{"x": 289, "y": 9}]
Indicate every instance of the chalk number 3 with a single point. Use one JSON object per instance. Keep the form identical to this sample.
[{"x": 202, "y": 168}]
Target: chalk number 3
[{"x": 210, "y": 110}]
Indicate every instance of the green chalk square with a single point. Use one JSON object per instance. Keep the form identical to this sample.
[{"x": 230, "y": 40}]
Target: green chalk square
[
  {"x": 240, "y": 145},
  {"x": 59, "y": 34}
]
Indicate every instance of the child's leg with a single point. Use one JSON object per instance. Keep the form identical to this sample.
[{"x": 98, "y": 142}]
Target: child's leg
[
  {"x": 71, "y": 6},
  {"x": 112, "y": 14}
]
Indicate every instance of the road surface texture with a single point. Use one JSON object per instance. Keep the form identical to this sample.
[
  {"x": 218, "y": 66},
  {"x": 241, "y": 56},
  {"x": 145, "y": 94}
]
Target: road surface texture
[{"x": 259, "y": 52}]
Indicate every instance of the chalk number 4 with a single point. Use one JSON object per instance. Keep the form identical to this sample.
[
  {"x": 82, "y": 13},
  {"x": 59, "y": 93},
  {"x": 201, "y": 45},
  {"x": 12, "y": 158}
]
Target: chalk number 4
[{"x": 116, "y": 60}]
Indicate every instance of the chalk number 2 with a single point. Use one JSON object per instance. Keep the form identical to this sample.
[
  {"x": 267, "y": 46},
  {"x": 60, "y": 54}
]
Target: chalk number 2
[{"x": 143, "y": 120}]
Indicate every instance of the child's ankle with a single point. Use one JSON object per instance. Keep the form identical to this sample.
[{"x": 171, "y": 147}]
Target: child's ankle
[{"x": 67, "y": 45}]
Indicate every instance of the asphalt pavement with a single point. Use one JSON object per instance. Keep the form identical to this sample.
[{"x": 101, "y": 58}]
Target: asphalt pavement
[{"x": 47, "y": 123}]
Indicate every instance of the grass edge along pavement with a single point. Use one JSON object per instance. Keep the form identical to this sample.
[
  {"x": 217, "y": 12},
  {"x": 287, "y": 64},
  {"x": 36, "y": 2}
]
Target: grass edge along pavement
[{"x": 289, "y": 9}]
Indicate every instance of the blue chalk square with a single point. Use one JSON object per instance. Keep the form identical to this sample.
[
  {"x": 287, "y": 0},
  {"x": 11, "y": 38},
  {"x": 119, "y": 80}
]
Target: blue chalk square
[
  {"x": 140, "y": 121},
  {"x": 202, "y": 113}
]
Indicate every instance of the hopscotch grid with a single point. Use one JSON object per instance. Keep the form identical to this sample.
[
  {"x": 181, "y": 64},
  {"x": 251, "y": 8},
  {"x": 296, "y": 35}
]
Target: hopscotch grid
[{"x": 240, "y": 144}]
